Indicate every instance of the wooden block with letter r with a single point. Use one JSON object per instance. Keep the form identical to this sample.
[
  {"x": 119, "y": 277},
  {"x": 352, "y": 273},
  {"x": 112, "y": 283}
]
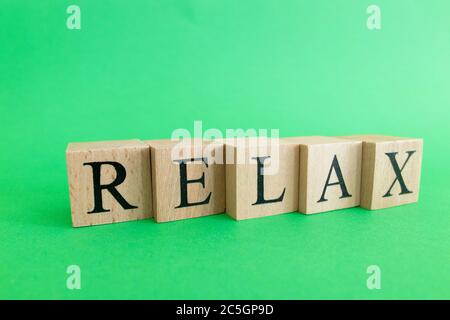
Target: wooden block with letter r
[
  {"x": 261, "y": 177},
  {"x": 109, "y": 181},
  {"x": 390, "y": 170},
  {"x": 188, "y": 178},
  {"x": 330, "y": 173}
]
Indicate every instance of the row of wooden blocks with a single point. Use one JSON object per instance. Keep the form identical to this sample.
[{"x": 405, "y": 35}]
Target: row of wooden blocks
[{"x": 119, "y": 181}]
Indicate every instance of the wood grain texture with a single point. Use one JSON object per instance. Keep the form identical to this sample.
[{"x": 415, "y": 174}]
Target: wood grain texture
[
  {"x": 378, "y": 174},
  {"x": 241, "y": 178},
  {"x": 316, "y": 159},
  {"x": 166, "y": 179},
  {"x": 133, "y": 155}
]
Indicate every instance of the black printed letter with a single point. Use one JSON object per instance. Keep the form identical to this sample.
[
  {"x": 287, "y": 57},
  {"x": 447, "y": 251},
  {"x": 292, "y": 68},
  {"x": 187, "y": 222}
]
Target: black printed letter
[
  {"x": 184, "y": 183},
  {"x": 398, "y": 173},
  {"x": 98, "y": 187},
  {"x": 260, "y": 183},
  {"x": 340, "y": 182}
]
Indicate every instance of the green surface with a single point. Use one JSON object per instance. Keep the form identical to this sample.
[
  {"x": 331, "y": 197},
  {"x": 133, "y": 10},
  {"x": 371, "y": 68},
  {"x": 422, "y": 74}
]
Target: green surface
[{"x": 141, "y": 69}]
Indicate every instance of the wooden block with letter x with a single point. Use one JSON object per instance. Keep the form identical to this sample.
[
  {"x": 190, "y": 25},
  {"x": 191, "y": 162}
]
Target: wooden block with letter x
[
  {"x": 188, "y": 178},
  {"x": 330, "y": 173},
  {"x": 261, "y": 177},
  {"x": 390, "y": 170},
  {"x": 109, "y": 181}
]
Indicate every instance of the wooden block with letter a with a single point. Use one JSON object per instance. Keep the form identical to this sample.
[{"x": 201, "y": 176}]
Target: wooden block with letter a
[
  {"x": 188, "y": 178},
  {"x": 109, "y": 181},
  {"x": 330, "y": 173},
  {"x": 261, "y": 177},
  {"x": 390, "y": 170}
]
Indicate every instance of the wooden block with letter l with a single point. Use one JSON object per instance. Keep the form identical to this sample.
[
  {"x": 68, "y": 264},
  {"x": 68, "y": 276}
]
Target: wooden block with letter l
[
  {"x": 261, "y": 177},
  {"x": 109, "y": 182},
  {"x": 188, "y": 178},
  {"x": 390, "y": 170},
  {"x": 330, "y": 173}
]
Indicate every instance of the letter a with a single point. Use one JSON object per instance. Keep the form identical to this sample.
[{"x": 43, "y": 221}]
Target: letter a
[
  {"x": 74, "y": 20},
  {"x": 374, "y": 279},
  {"x": 74, "y": 278},
  {"x": 340, "y": 182},
  {"x": 374, "y": 20}
]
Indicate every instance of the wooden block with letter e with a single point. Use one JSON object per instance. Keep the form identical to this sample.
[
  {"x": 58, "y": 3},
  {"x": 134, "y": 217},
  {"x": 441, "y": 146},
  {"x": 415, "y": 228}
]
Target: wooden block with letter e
[
  {"x": 188, "y": 178},
  {"x": 390, "y": 170},
  {"x": 261, "y": 177},
  {"x": 330, "y": 173},
  {"x": 109, "y": 181}
]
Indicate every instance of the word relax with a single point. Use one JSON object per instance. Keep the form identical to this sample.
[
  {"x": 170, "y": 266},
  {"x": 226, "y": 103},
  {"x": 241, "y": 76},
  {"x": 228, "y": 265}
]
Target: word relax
[{"x": 118, "y": 181}]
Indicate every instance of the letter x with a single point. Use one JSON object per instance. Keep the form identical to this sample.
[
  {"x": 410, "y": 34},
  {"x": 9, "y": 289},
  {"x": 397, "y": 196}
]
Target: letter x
[{"x": 398, "y": 173}]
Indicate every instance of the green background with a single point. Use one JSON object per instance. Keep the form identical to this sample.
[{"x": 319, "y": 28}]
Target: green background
[{"x": 140, "y": 69}]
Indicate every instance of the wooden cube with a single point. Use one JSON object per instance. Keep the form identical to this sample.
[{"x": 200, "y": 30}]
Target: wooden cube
[
  {"x": 390, "y": 170},
  {"x": 261, "y": 177},
  {"x": 109, "y": 182},
  {"x": 330, "y": 173},
  {"x": 188, "y": 179}
]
